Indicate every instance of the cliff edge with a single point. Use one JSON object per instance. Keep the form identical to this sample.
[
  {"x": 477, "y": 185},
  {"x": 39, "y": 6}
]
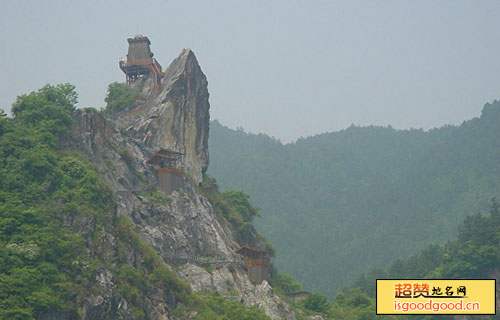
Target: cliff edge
[
  {"x": 175, "y": 114},
  {"x": 181, "y": 226}
]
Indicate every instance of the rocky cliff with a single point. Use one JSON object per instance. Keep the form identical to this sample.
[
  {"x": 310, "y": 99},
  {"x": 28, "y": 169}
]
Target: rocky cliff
[{"x": 175, "y": 115}]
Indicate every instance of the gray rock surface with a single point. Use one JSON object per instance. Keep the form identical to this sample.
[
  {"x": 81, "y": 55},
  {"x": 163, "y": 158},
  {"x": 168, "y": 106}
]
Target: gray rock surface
[
  {"x": 230, "y": 279},
  {"x": 175, "y": 115},
  {"x": 183, "y": 223}
]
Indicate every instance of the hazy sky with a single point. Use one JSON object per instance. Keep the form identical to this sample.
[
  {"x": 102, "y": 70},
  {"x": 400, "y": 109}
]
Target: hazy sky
[{"x": 286, "y": 68}]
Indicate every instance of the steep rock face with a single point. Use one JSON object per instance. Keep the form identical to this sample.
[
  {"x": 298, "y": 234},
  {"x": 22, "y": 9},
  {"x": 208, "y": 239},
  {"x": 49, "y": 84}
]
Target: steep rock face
[
  {"x": 175, "y": 114},
  {"x": 182, "y": 224},
  {"x": 230, "y": 280}
]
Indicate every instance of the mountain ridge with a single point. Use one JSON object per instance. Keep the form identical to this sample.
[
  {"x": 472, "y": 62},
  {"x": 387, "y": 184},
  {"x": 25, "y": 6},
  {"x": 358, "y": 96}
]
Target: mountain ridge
[
  {"x": 360, "y": 180},
  {"x": 90, "y": 228}
]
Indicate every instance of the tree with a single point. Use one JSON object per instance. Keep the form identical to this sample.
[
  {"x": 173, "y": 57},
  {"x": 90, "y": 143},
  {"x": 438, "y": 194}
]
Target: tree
[
  {"x": 494, "y": 207},
  {"x": 49, "y": 108},
  {"x": 241, "y": 202},
  {"x": 316, "y": 302},
  {"x": 122, "y": 97}
]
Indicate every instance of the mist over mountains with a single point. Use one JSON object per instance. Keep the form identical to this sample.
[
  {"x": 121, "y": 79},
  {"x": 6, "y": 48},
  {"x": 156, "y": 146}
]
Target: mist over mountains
[{"x": 338, "y": 204}]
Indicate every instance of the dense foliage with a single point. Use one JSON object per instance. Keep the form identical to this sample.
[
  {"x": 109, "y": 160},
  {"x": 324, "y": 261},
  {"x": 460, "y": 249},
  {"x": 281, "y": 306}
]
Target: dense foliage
[
  {"x": 283, "y": 282},
  {"x": 45, "y": 261},
  {"x": 338, "y": 204},
  {"x": 121, "y": 97},
  {"x": 235, "y": 207},
  {"x": 473, "y": 254},
  {"x": 214, "y": 306},
  {"x": 42, "y": 264}
]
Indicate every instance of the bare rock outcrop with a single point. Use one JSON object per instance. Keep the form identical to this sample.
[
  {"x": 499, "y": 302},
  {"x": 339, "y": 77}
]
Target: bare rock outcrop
[
  {"x": 232, "y": 280},
  {"x": 175, "y": 116}
]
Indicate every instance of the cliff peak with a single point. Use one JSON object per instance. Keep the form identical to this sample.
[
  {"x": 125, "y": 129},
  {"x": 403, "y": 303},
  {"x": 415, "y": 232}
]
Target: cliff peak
[{"x": 175, "y": 114}]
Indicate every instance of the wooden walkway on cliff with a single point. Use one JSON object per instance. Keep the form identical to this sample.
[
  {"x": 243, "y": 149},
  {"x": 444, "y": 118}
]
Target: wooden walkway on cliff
[{"x": 204, "y": 261}]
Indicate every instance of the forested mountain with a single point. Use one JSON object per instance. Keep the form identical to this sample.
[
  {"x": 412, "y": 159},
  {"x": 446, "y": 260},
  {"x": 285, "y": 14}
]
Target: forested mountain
[
  {"x": 472, "y": 254},
  {"x": 100, "y": 217},
  {"x": 340, "y": 203},
  {"x": 65, "y": 251}
]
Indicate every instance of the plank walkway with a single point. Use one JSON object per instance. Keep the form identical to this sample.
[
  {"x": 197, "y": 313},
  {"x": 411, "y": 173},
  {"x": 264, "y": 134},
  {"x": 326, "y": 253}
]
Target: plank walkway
[{"x": 204, "y": 260}]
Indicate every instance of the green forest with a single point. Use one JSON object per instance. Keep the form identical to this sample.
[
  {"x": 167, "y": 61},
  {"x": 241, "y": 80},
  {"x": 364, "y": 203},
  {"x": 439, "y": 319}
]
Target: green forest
[
  {"x": 49, "y": 196},
  {"x": 472, "y": 254},
  {"x": 339, "y": 204},
  {"x": 402, "y": 204},
  {"x": 43, "y": 264}
]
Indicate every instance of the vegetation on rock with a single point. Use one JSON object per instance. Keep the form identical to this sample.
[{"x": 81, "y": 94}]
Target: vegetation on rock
[
  {"x": 121, "y": 97},
  {"x": 472, "y": 254},
  {"x": 54, "y": 210},
  {"x": 43, "y": 264}
]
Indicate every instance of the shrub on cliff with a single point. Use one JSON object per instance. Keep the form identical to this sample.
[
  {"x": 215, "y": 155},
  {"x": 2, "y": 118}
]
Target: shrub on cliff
[
  {"x": 121, "y": 97},
  {"x": 43, "y": 264}
]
